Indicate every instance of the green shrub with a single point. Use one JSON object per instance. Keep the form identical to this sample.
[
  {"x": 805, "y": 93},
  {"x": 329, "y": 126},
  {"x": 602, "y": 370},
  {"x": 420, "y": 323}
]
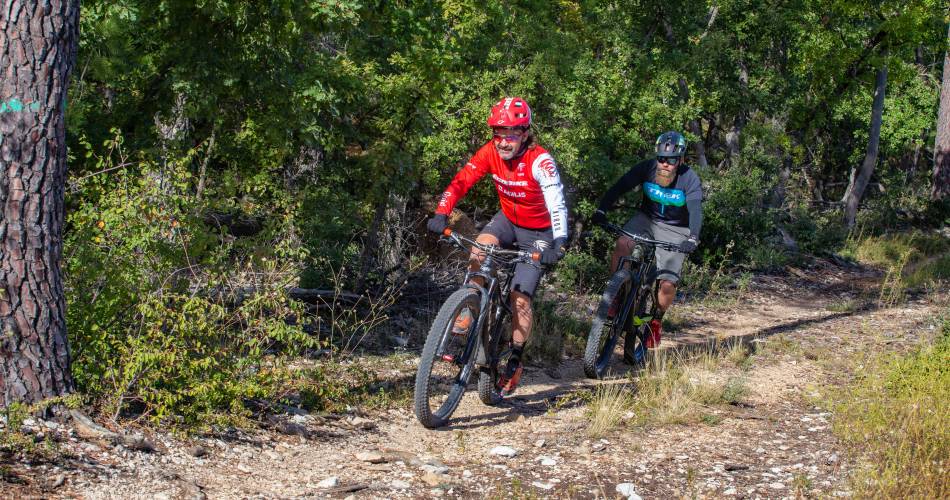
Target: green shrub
[
  {"x": 579, "y": 272},
  {"x": 734, "y": 212},
  {"x": 167, "y": 317}
]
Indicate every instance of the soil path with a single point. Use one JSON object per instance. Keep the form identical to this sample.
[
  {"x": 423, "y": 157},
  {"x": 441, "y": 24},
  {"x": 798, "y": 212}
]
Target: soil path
[{"x": 776, "y": 442}]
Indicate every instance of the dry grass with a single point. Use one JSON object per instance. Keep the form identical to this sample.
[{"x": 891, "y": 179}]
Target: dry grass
[
  {"x": 674, "y": 389},
  {"x": 607, "y": 408},
  {"x": 897, "y": 418}
]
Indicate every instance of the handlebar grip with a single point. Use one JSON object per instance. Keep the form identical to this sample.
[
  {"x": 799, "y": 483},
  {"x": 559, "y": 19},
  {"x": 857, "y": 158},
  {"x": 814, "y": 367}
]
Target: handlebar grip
[
  {"x": 536, "y": 256},
  {"x": 447, "y": 232}
]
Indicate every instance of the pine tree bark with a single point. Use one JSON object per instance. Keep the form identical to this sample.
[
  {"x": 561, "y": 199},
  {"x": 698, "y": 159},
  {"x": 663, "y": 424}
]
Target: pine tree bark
[
  {"x": 860, "y": 179},
  {"x": 38, "y": 43},
  {"x": 941, "y": 173}
]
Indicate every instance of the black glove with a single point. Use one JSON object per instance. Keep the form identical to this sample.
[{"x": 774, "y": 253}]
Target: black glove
[
  {"x": 551, "y": 255},
  {"x": 598, "y": 218},
  {"x": 438, "y": 223},
  {"x": 689, "y": 245}
]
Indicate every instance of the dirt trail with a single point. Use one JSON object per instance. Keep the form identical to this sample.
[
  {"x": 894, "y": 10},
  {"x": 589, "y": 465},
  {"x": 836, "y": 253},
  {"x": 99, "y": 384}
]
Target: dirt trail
[{"x": 776, "y": 443}]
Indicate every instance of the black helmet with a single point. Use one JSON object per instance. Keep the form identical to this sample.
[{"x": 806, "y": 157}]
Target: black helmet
[{"x": 670, "y": 144}]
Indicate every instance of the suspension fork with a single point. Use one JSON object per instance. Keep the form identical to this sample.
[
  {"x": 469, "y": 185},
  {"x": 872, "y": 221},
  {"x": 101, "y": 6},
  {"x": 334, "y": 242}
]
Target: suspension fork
[{"x": 491, "y": 334}]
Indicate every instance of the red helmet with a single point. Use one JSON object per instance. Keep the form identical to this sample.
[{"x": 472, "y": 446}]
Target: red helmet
[{"x": 510, "y": 112}]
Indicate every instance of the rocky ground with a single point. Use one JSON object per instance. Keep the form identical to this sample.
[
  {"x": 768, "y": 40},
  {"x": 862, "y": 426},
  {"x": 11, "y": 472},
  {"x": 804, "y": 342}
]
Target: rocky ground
[{"x": 806, "y": 329}]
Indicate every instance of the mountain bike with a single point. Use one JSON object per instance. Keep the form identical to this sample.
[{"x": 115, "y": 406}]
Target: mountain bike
[
  {"x": 450, "y": 357},
  {"x": 626, "y": 307}
]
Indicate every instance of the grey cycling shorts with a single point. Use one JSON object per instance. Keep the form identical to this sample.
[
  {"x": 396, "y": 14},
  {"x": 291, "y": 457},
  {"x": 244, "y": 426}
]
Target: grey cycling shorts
[
  {"x": 527, "y": 276},
  {"x": 668, "y": 264}
]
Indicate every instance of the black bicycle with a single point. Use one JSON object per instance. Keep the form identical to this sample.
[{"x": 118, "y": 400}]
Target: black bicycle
[
  {"x": 627, "y": 306},
  {"x": 451, "y": 354}
]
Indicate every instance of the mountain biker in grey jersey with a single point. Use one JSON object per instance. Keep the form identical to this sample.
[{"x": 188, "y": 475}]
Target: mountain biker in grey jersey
[{"x": 671, "y": 210}]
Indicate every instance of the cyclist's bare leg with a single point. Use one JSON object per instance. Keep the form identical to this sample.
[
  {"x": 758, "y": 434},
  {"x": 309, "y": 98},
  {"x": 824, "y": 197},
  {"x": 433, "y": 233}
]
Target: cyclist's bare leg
[
  {"x": 665, "y": 293},
  {"x": 624, "y": 246},
  {"x": 477, "y": 256},
  {"x": 520, "y": 318}
]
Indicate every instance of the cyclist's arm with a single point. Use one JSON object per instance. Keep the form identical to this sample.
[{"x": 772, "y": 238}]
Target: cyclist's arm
[
  {"x": 695, "y": 208},
  {"x": 545, "y": 173},
  {"x": 474, "y": 170},
  {"x": 694, "y": 202},
  {"x": 633, "y": 178}
]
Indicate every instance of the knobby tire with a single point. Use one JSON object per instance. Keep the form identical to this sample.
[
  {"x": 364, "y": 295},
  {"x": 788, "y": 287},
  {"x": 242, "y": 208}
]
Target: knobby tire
[
  {"x": 604, "y": 330},
  {"x": 438, "y": 332}
]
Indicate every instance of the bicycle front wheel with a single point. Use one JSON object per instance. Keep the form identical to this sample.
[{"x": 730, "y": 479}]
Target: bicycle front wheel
[
  {"x": 606, "y": 326},
  {"x": 448, "y": 356}
]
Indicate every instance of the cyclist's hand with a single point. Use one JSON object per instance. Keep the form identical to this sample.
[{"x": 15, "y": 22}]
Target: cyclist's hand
[
  {"x": 599, "y": 217},
  {"x": 689, "y": 245},
  {"x": 551, "y": 255},
  {"x": 438, "y": 223}
]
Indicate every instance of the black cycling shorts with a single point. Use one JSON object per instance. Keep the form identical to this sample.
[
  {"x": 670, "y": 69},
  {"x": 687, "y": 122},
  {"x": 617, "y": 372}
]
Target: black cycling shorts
[{"x": 526, "y": 276}]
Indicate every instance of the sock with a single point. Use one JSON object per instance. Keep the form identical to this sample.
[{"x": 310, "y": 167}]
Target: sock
[{"x": 516, "y": 351}]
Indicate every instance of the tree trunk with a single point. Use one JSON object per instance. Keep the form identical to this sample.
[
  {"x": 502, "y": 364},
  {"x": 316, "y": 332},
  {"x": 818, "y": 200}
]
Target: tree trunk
[
  {"x": 941, "y": 177},
  {"x": 778, "y": 193},
  {"x": 860, "y": 180},
  {"x": 732, "y": 137},
  {"x": 38, "y": 43}
]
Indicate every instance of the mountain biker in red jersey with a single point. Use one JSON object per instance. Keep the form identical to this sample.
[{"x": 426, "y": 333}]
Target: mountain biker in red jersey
[
  {"x": 533, "y": 214},
  {"x": 671, "y": 211}
]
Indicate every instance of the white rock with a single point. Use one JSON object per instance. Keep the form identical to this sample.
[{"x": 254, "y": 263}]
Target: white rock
[
  {"x": 435, "y": 469},
  {"x": 503, "y": 451},
  {"x": 547, "y": 461},
  {"x": 330, "y": 482},
  {"x": 729, "y": 491},
  {"x": 370, "y": 456},
  {"x": 539, "y": 443},
  {"x": 543, "y": 486},
  {"x": 399, "y": 485},
  {"x": 466, "y": 473},
  {"x": 628, "y": 490},
  {"x": 777, "y": 486}
]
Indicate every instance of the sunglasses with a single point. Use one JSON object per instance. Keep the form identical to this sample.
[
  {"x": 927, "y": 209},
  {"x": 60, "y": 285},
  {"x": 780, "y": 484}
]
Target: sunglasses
[
  {"x": 508, "y": 136},
  {"x": 669, "y": 160}
]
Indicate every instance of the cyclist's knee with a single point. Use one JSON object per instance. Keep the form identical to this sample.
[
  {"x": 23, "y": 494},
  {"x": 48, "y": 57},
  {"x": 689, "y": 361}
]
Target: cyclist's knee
[
  {"x": 667, "y": 286},
  {"x": 476, "y": 255},
  {"x": 624, "y": 244},
  {"x": 520, "y": 301}
]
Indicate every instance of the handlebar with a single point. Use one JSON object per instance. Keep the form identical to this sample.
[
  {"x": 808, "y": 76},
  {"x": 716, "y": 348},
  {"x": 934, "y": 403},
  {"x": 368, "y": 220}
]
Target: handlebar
[
  {"x": 666, "y": 245},
  {"x": 495, "y": 251}
]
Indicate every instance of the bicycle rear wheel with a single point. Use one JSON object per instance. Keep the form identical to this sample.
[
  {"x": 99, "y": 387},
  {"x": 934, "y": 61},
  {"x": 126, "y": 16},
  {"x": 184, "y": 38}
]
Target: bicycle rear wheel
[
  {"x": 605, "y": 328},
  {"x": 447, "y": 359}
]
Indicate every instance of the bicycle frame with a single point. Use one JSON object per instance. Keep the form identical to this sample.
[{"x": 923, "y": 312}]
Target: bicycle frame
[
  {"x": 638, "y": 262},
  {"x": 494, "y": 299}
]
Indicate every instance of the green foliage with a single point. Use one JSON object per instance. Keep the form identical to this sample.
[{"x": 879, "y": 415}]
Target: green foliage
[
  {"x": 156, "y": 325},
  {"x": 580, "y": 271},
  {"x": 334, "y": 124}
]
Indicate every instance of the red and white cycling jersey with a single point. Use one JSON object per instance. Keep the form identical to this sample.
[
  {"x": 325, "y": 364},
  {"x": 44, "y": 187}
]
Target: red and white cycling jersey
[{"x": 529, "y": 188}]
